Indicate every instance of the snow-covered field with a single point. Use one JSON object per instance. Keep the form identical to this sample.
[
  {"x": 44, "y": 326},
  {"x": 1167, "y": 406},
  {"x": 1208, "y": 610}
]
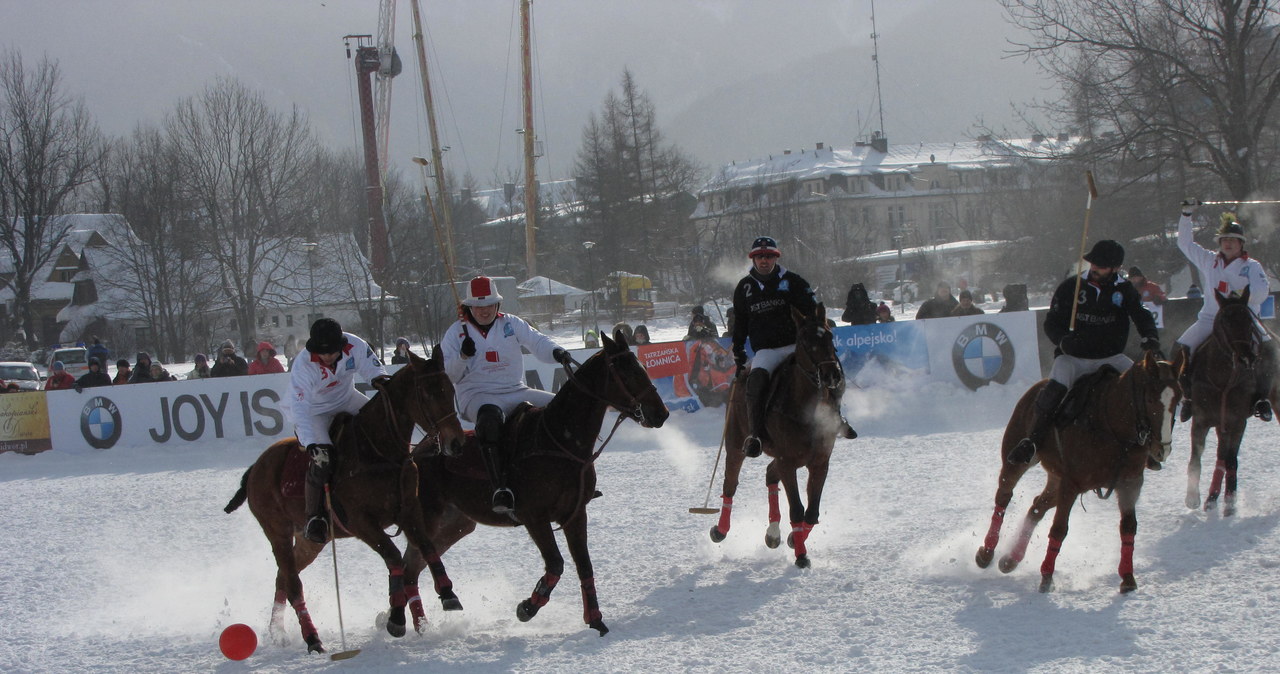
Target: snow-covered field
[{"x": 124, "y": 561}]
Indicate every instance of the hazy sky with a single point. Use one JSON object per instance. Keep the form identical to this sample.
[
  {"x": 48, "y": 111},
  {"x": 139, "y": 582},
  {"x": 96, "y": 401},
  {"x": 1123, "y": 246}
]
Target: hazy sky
[{"x": 731, "y": 79}]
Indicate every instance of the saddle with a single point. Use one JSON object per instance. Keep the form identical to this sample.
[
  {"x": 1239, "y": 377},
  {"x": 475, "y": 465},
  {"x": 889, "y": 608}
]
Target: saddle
[
  {"x": 1073, "y": 406},
  {"x": 470, "y": 464}
]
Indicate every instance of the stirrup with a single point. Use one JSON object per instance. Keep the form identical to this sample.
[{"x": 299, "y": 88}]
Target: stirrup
[
  {"x": 1262, "y": 410},
  {"x": 316, "y": 530},
  {"x": 503, "y": 501},
  {"x": 1022, "y": 453},
  {"x": 1152, "y": 464},
  {"x": 752, "y": 447}
]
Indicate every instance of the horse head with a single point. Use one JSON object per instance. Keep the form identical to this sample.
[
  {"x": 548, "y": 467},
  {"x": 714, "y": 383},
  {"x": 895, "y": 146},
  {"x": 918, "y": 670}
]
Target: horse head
[
  {"x": 1235, "y": 328},
  {"x": 627, "y": 388},
  {"x": 1157, "y": 392},
  {"x": 424, "y": 393},
  {"x": 816, "y": 349}
]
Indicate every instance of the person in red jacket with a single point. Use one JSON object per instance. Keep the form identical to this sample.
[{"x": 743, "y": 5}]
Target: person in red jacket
[
  {"x": 59, "y": 379},
  {"x": 265, "y": 362}
]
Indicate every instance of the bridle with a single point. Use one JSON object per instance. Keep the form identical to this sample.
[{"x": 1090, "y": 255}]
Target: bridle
[
  {"x": 814, "y": 372},
  {"x": 632, "y": 408},
  {"x": 420, "y": 401},
  {"x": 1141, "y": 431}
]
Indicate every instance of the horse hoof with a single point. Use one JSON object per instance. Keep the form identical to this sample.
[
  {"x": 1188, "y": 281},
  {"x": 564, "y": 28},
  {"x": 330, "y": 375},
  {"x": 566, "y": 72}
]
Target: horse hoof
[
  {"x": 395, "y": 622},
  {"x": 525, "y": 611},
  {"x": 803, "y": 562},
  {"x": 984, "y": 557},
  {"x": 450, "y": 603},
  {"x": 772, "y": 538},
  {"x": 1228, "y": 510},
  {"x": 1193, "y": 501},
  {"x": 791, "y": 541},
  {"x": 716, "y": 536},
  {"x": 1128, "y": 584},
  {"x": 1046, "y": 583},
  {"x": 599, "y": 626},
  {"x": 314, "y": 645},
  {"x": 1008, "y": 564},
  {"x": 1211, "y": 504}
]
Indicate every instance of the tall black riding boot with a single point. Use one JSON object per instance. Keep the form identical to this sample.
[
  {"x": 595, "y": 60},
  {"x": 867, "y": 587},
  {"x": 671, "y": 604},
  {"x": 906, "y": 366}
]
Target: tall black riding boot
[
  {"x": 1045, "y": 410},
  {"x": 318, "y": 474},
  {"x": 757, "y": 404},
  {"x": 1262, "y": 391},
  {"x": 1184, "y": 380},
  {"x": 489, "y": 423}
]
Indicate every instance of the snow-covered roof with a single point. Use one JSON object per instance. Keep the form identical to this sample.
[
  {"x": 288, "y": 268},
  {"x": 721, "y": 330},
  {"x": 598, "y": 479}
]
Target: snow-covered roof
[
  {"x": 952, "y": 247},
  {"x": 541, "y": 286}
]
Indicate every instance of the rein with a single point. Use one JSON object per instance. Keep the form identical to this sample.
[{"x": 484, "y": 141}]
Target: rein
[
  {"x": 1141, "y": 438},
  {"x": 814, "y": 376}
]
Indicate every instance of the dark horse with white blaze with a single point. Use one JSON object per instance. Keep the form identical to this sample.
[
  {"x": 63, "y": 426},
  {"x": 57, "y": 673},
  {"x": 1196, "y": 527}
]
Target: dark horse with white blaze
[
  {"x": 551, "y": 454},
  {"x": 803, "y": 421},
  {"x": 1126, "y": 419},
  {"x": 1223, "y": 382},
  {"x": 374, "y": 486}
]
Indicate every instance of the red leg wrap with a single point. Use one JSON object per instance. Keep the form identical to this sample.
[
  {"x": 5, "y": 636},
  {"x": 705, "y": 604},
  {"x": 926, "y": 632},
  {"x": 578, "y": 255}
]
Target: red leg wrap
[
  {"x": 1024, "y": 537},
  {"x": 800, "y": 534},
  {"x": 414, "y": 601},
  {"x": 304, "y": 619},
  {"x": 395, "y": 583},
  {"x": 1051, "y": 556},
  {"x": 542, "y": 591},
  {"x": 775, "y": 513},
  {"x": 993, "y": 533},
  {"x": 1126, "y": 554},
  {"x": 1215, "y": 487},
  {"x": 726, "y": 510},
  {"x": 438, "y": 575},
  {"x": 590, "y": 606}
]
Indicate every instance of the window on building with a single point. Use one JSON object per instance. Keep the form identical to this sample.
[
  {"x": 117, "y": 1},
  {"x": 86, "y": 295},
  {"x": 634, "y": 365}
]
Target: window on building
[
  {"x": 288, "y": 320},
  {"x": 275, "y": 321},
  {"x": 937, "y": 215}
]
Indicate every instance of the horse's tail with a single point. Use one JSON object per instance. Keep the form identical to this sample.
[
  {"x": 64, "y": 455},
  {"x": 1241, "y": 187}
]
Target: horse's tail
[{"x": 241, "y": 496}]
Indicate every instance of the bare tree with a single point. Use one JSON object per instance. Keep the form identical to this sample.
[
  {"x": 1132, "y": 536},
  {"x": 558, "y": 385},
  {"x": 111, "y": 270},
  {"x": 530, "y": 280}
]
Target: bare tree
[
  {"x": 49, "y": 150},
  {"x": 1191, "y": 80},
  {"x": 248, "y": 171}
]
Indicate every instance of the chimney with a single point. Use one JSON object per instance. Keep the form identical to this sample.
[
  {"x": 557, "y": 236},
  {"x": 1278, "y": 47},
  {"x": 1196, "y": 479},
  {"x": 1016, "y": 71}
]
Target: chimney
[
  {"x": 879, "y": 142},
  {"x": 1037, "y": 138},
  {"x": 785, "y": 152},
  {"x": 819, "y": 146},
  {"x": 984, "y": 138},
  {"x": 508, "y": 191}
]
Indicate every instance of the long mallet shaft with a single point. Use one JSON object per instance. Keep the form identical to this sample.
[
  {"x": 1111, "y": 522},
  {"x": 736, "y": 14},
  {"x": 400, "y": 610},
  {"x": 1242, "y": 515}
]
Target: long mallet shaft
[
  {"x": 344, "y": 654},
  {"x": 715, "y": 467},
  {"x": 1084, "y": 237}
]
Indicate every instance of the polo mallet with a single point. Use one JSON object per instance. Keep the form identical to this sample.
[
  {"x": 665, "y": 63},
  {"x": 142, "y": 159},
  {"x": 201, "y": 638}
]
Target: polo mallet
[
  {"x": 1084, "y": 237},
  {"x": 706, "y": 508},
  {"x": 344, "y": 654}
]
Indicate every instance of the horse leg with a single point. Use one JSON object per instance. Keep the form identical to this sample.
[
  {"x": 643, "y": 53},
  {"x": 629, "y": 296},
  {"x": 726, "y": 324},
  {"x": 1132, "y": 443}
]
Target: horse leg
[
  {"x": 553, "y": 568},
  {"x": 1009, "y": 476},
  {"x": 290, "y": 560},
  {"x": 1039, "y": 506},
  {"x": 382, "y": 544},
  {"x": 1224, "y": 471},
  {"x": 1219, "y": 468},
  {"x": 1057, "y": 534},
  {"x": 773, "y": 534},
  {"x": 575, "y": 537},
  {"x": 809, "y": 519},
  {"x": 799, "y": 527},
  {"x": 732, "y": 468},
  {"x": 1199, "y": 431},
  {"x": 445, "y": 536},
  {"x": 1127, "y": 501}
]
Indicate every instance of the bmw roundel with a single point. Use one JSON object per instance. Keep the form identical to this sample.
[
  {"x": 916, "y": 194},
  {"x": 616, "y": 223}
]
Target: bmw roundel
[
  {"x": 100, "y": 423},
  {"x": 982, "y": 353}
]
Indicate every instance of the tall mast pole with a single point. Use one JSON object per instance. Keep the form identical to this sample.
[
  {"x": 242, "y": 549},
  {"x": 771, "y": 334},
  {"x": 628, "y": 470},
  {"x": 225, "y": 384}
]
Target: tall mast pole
[
  {"x": 530, "y": 177},
  {"x": 437, "y": 154},
  {"x": 875, "y": 57}
]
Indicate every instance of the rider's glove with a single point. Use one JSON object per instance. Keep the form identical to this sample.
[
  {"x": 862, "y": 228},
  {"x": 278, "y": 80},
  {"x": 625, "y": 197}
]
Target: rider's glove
[
  {"x": 468, "y": 347},
  {"x": 319, "y": 452},
  {"x": 1189, "y": 206},
  {"x": 1153, "y": 345},
  {"x": 561, "y": 356}
]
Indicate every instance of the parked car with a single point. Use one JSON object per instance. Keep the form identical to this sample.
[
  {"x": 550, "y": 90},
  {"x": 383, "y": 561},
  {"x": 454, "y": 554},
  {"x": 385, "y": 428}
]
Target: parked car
[
  {"x": 25, "y": 375},
  {"x": 74, "y": 358}
]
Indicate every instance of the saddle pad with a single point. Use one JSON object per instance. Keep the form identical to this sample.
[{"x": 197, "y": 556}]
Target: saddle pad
[
  {"x": 293, "y": 480},
  {"x": 1076, "y": 401}
]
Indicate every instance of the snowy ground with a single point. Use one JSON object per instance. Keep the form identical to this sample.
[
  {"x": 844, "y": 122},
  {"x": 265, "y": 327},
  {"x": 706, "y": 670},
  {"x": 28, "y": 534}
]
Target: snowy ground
[{"x": 124, "y": 561}]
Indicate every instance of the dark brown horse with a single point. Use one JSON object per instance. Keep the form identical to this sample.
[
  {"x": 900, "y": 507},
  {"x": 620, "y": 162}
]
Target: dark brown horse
[
  {"x": 552, "y": 472},
  {"x": 1127, "y": 419},
  {"x": 374, "y": 486},
  {"x": 1223, "y": 384},
  {"x": 801, "y": 431}
]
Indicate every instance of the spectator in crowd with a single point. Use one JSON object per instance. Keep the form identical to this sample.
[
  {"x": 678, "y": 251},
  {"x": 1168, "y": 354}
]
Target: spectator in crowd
[
  {"x": 99, "y": 350},
  {"x": 858, "y": 309},
  {"x": 1194, "y": 292},
  {"x": 1148, "y": 291},
  {"x": 966, "y": 306},
  {"x": 58, "y": 378},
  {"x": 626, "y": 330},
  {"x": 94, "y": 377},
  {"x": 700, "y": 324},
  {"x": 641, "y": 335},
  {"x": 265, "y": 362},
  {"x": 591, "y": 341},
  {"x": 158, "y": 373},
  {"x": 1015, "y": 298},
  {"x": 728, "y": 322},
  {"x": 401, "y": 355},
  {"x": 141, "y": 369},
  {"x": 122, "y": 372},
  {"x": 940, "y": 305},
  {"x": 229, "y": 364},
  {"x": 201, "y": 369},
  {"x": 883, "y": 313}
]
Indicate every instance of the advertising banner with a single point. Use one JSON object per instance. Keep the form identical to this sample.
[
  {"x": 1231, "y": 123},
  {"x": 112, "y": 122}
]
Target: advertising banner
[{"x": 24, "y": 423}]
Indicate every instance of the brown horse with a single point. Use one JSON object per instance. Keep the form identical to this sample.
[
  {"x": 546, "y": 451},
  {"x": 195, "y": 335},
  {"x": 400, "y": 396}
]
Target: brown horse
[
  {"x": 374, "y": 486},
  {"x": 801, "y": 432},
  {"x": 1127, "y": 419},
  {"x": 553, "y": 474},
  {"x": 1223, "y": 382}
]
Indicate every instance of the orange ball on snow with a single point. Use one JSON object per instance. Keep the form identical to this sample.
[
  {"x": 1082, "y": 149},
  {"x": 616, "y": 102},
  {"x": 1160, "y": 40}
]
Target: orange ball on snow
[{"x": 238, "y": 641}]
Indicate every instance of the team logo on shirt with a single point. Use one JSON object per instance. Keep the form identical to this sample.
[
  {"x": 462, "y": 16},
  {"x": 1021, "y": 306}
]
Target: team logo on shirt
[
  {"x": 1117, "y": 299},
  {"x": 507, "y": 330},
  {"x": 981, "y": 354},
  {"x": 100, "y": 423}
]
